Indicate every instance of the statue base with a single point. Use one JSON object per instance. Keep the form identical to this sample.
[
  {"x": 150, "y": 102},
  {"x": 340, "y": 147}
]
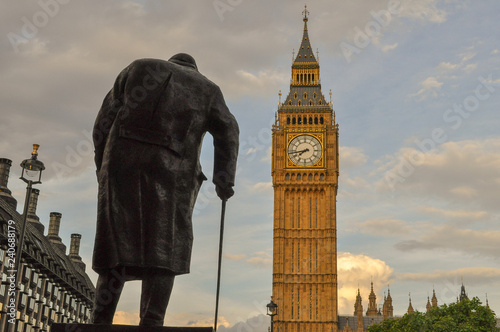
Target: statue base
[{"x": 57, "y": 327}]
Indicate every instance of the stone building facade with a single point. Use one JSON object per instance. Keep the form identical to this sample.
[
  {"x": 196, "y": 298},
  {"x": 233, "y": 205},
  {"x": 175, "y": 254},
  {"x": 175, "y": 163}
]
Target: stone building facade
[
  {"x": 305, "y": 177},
  {"x": 54, "y": 286}
]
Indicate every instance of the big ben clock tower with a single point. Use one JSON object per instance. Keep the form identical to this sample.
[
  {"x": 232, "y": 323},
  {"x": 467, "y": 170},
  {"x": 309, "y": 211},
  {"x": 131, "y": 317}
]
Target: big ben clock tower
[{"x": 305, "y": 172}]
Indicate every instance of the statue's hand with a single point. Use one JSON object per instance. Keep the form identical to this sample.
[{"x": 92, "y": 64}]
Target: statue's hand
[{"x": 224, "y": 193}]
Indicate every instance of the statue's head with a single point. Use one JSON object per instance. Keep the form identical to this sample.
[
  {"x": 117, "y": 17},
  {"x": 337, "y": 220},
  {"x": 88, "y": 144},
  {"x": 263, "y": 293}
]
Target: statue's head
[{"x": 184, "y": 59}]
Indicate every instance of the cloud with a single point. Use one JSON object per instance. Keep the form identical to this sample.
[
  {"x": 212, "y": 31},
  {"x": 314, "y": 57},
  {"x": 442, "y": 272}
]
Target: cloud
[
  {"x": 351, "y": 157},
  {"x": 430, "y": 87},
  {"x": 447, "y": 66},
  {"x": 261, "y": 259},
  {"x": 470, "y": 216},
  {"x": 387, "y": 48},
  {"x": 472, "y": 242},
  {"x": 126, "y": 318},
  {"x": 263, "y": 187},
  {"x": 269, "y": 155},
  {"x": 191, "y": 319},
  {"x": 470, "y": 68},
  {"x": 464, "y": 191},
  {"x": 235, "y": 257},
  {"x": 251, "y": 150},
  {"x": 254, "y": 324},
  {"x": 385, "y": 227},
  {"x": 453, "y": 173},
  {"x": 357, "y": 271},
  {"x": 261, "y": 82},
  {"x": 423, "y": 10},
  {"x": 473, "y": 275}
]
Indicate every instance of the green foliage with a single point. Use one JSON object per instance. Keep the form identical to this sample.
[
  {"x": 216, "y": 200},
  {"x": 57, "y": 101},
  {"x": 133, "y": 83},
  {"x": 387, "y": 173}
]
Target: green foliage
[{"x": 466, "y": 316}]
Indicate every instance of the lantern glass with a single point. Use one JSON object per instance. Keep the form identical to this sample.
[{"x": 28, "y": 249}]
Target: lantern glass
[
  {"x": 32, "y": 168},
  {"x": 271, "y": 308}
]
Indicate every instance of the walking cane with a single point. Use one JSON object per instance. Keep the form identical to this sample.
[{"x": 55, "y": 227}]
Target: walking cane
[{"x": 220, "y": 261}]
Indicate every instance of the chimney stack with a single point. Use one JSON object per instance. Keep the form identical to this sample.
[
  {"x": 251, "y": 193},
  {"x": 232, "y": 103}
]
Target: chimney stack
[
  {"x": 74, "y": 250},
  {"x": 5, "y": 193},
  {"x": 53, "y": 235},
  {"x": 31, "y": 215}
]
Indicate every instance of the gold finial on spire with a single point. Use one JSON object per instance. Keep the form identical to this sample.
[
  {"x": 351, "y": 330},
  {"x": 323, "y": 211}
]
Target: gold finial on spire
[
  {"x": 305, "y": 12},
  {"x": 293, "y": 54},
  {"x": 279, "y": 94},
  {"x": 317, "y": 55},
  {"x": 330, "y": 97}
]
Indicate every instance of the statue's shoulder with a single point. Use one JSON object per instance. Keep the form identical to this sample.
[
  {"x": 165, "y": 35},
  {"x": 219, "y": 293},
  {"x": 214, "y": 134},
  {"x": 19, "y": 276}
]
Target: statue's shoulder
[
  {"x": 149, "y": 65},
  {"x": 139, "y": 68}
]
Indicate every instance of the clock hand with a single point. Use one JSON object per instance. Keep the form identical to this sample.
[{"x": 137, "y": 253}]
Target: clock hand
[{"x": 299, "y": 152}]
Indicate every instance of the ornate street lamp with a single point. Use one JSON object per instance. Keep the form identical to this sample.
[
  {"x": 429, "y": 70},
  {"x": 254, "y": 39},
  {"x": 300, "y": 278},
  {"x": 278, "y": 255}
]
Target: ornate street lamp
[
  {"x": 272, "y": 311},
  {"x": 31, "y": 174},
  {"x": 32, "y": 168}
]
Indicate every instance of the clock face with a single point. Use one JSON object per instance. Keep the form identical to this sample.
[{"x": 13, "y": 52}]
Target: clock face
[{"x": 304, "y": 150}]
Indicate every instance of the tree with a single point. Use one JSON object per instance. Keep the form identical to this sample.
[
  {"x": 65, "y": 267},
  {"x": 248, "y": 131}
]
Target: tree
[{"x": 465, "y": 316}]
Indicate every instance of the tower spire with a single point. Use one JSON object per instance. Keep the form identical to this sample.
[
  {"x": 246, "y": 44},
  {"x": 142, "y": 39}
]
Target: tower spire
[
  {"x": 305, "y": 53},
  {"x": 434, "y": 298},
  {"x": 410, "y": 307}
]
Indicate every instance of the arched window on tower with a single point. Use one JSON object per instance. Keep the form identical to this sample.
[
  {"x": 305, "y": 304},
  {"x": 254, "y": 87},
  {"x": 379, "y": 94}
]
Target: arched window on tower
[
  {"x": 289, "y": 102},
  {"x": 299, "y": 102},
  {"x": 301, "y": 78},
  {"x": 320, "y": 102},
  {"x": 321, "y": 120},
  {"x": 309, "y": 78},
  {"x": 297, "y": 79},
  {"x": 288, "y": 120},
  {"x": 315, "y": 95},
  {"x": 310, "y": 120},
  {"x": 310, "y": 102},
  {"x": 315, "y": 120},
  {"x": 305, "y": 120},
  {"x": 293, "y": 120},
  {"x": 299, "y": 120},
  {"x": 313, "y": 80},
  {"x": 295, "y": 95}
]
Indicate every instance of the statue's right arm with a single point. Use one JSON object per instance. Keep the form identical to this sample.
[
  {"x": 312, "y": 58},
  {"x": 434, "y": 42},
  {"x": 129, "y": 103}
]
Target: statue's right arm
[{"x": 107, "y": 114}]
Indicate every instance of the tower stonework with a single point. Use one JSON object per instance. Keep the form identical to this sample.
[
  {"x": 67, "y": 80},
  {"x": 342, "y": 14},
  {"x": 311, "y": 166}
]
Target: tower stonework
[{"x": 305, "y": 180}]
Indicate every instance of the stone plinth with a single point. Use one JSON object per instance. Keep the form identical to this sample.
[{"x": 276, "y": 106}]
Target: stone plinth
[{"x": 123, "y": 328}]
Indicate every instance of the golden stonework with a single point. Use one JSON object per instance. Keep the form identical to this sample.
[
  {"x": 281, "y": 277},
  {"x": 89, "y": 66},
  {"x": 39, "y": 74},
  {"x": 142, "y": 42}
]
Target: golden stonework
[{"x": 305, "y": 180}]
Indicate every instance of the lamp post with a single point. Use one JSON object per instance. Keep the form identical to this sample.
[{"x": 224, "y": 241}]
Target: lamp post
[
  {"x": 31, "y": 174},
  {"x": 272, "y": 311}
]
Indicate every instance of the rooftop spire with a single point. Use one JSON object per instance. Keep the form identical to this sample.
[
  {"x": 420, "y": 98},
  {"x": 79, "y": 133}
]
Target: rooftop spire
[
  {"x": 305, "y": 53},
  {"x": 434, "y": 298},
  {"x": 410, "y": 307}
]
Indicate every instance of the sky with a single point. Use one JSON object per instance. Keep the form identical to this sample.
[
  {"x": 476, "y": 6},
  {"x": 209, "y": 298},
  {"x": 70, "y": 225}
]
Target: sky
[{"x": 416, "y": 90}]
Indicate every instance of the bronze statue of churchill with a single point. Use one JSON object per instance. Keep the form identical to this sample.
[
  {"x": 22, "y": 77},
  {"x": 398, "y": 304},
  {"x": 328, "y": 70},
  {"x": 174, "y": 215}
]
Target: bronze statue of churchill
[{"x": 148, "y": 136}]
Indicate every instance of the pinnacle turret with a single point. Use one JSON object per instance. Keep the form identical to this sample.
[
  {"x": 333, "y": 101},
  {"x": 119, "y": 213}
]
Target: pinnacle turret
[
  {"x": 410, "y": 307},
  {"x": 434, "y": 299},
  {"x": 372, "y": 303}
]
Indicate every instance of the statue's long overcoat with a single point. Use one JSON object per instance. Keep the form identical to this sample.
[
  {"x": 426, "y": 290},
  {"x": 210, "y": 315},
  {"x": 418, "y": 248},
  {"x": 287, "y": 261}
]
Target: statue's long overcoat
[{"x": 148, "y": 136}]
